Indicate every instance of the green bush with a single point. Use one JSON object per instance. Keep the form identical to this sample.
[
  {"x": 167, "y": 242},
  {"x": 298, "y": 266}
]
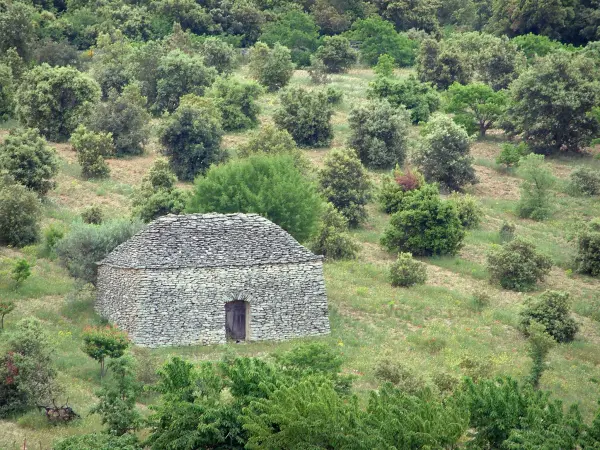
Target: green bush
[
  {"x": 394, "y": 187},
  {"x": 406, "y": 271},
  {"x": 552, "y": 310},
  {"x": 588, "y": 249},
  {"x": 424, "y": 225},
  {"x": 400, "y": 376},
  {"x": 219, "y": 54},
  {"x": 533, "y": 45},
  {"x": 158, "y": 195},
  {"x": 317, "y": 71},
  {"x": 179, "y": 74},
  {"x": 442, "y": 65},
  {"x": 306, "y": 116},
  {"x": 55, "y": 100},
  {"x": 271, "y": 186},
  {"x": 536, "y": 198},
  {"x": 92, "y": 215},
  {"x": 236, "y": 100},
  {"x": 379, "y": 134},
  {"x": 52, "y": 235},
  {"x": 271, "y": 68},
  {"x": 7, "y": 93},
  {"x": 507, "y": 231},
  {"x": 21, "y": 271},
  {"x": 345, "y": 183},
  {"x": 385, "y": 66},
  {"x": 336, "y": 54},
  {"x": 191, "y": 138},
  {"x": 444, "y": 154},
  {"x": 511, "y": 154},
  {"x": 98, "y": 441},
  {"x": 109, "y": 63},
  {"x": 20, "y": 212},
  {"x": 334, "y": 95},
  {"x": 332, "y": 239},
  {"x": 125, "y": 117},
  {"x": 420, "y": 99},
  {"x": 87, "y": 244},
  {"x": 91, "y": 150},
  {"x": 585, "y": 180},
  {"x": 516, "y": 265},
  {"x": 28, "y": 159},
  {"x": 469, "y": 209}
]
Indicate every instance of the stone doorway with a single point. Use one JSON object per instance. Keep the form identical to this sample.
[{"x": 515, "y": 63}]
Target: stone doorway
[{"x": 236, "y": 313}]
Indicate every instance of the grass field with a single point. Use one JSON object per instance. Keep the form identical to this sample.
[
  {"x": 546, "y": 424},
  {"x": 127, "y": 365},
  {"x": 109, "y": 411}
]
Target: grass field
[{"x": 431, "y": 328}]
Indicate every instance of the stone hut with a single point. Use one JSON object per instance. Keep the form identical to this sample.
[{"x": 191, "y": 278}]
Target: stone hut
[{"x": 205, "y": 278}]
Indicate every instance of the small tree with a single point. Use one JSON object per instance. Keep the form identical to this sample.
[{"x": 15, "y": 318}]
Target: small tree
[
  {"x": 424, "y": 225},
  {"x": 511, "y": 154},
  {"x": 516, "y": 265},
  {"x": 21, "y": 271},
  {"x": 92, "y": 215},
  {"x": 332, "y": 239},
  {"x": 406, "y": 271},
  {"x": 55, "y": 100},
  {"x": 443, "y": 154},
  {"x": 306, "y": 116},
  {"x": 219, "y": 54},
  {"x": 385, "y": 66},
  {"x": 236, "y": 100},
  {"x": 27, "y": 158},
  {"x": 536, "y": 199},
  {"x": 585, "y": 180},
  {"x": 20, "y": 211},
  {"x": 393, "y": 188},
  {"x": 117, "y": 405},
  {"x": 91, "y": 150},
  {"x": 476, "y": 106},
  {"x": 468, "y": 208},
  {"x": 125, "y": 117},
  {"x": 271, "y": 68},
  {"x": 191, "y": 138},
  {"x": 271, "y": 186},
  {"x": 270, "y": 140},
  {"x": 345, "y": 183},
  {"x": 158, "y": 195},
  {"x": 6, "y": 307},
  {"x": 104, "y": 342},
  {"x": 336, "y": 54},
  {"x": 379, "y": 133},
  {"x": 588, "y": 249},
  {"x": 540, "y": 343},
  {"x": 442, "y": 65},
  {"x": 552, "y": 310},
  {"x": 7, "y": 88}
]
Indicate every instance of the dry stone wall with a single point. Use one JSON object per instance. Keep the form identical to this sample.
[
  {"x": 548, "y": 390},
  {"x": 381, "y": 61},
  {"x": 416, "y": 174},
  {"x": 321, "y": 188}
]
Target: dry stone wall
[{"x": 186, "y": 306}]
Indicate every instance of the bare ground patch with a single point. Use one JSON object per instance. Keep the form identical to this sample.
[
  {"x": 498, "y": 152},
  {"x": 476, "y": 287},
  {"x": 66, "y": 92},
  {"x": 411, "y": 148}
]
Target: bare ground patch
[{"x": 493, "y": 185}]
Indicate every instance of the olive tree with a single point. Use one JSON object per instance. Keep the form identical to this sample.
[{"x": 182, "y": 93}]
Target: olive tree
[
  {"x": 20, "y": 212},
  {"x": 273, "y": 68}
]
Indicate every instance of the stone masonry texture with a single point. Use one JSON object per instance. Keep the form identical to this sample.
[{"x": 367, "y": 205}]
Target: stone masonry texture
[{"x": 168, "y": 285}]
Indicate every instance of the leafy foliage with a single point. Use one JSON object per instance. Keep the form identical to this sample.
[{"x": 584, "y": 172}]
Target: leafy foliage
[
  {"x": 20, "y": 211},
  {"x": 273, "y": 68},
  {"x": 424, "y": 225},
  {"x": 97, "y": 441},
  {"x": 552, "y": 310},
  {"x": 7, "y": 101},
  {"x": 516, "y": 265},
  {"x": 379, "y": 133},
  {"x": 393, "y": 188},
  {"x": 28, "y": 159},
  {"x": 540, "y": 344},
  {"x": 219, "y": 54},
  {"x": 345, "y": 183},
  {"x": 306, "y": 116},
  {"x": 406, "y": 271},
  {"x": 6, "y": 307},
  {"x": 91, "y": 150},
  {"x": 237, "y": 102},
  {"x": 585, "y": 180},
  {"x": 535, "y": 201},
  {"x": 92, "y": 215},
  {"x": 385, "y": 66},
  {"x": 511, "y": 154},
  {"x": 21, "y": 271},
  {"x": 104, "y": 342},
  {"x": 469, "y": 209},
  {"x": 332, "y": 239},
  {"x": 441, "y": 66},
  {"x": 271, "y": 186},
  {"x": 336, "y": 54},
  {"x": 588, "y": 249}
]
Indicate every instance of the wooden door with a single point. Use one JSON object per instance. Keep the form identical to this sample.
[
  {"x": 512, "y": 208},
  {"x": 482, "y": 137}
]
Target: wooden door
[{"x": 235, "y": 320}]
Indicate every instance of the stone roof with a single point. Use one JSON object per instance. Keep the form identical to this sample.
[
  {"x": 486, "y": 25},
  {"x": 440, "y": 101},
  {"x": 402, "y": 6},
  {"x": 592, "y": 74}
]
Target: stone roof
[{"x": 209, "y": 240}]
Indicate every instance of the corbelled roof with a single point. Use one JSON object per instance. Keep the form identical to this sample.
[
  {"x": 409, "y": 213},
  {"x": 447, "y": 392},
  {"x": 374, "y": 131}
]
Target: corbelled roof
[{"x": 209, "y": 240}]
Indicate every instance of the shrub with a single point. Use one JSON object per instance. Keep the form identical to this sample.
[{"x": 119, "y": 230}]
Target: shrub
[
  {"x": 98, "y": 441},
  {"x": 91, "y": 149},
  {"x": 271, "y": 68},
  {"x": 511, "y": 154},
  {"x": 443, "y": 154},
  {"x": 334, "y": 95},
  {"x": 399, "y": 375},
  {"x": 52, "y": 235},
  {"x": 552, "y": 310},
  {"x": 345, "y": 183},
  {"x": 109, "y": 63},
  {"x": 406, "y": 271},
  {"x": 424, "y": 225},
  {"x": 6, "y": 307},
  {"x": 87, "y": 244},
  {"x": 533, "y": 112},
  {"x": 336, "y": 54},
  {"x": 588, "y": 249},
  {"x": 507, "y": 231},
  {"x": 191, "y": 138},
  {"x": 236, "y": 100},
  {"x": 379, "y": 133},
  {"x": 7, "y": 88},
  {"x": 332, "y": 239},
  {"x": 20, "y": 211},
  {"x": 516, "y": 265},
  {"x": 92, "y": 215},
  {"x": 125, "y": 117},
  {"x": 28, "y": 159},
  {"x": 420, "y": 99},
  {"x": 385, "y": 66},
  {"x": 469, "y": 209},
  {"x": 158, "y": 195},
  {"x": 179, "y": 74},
  {"x": 271, "y": 186},
  {"x": 393, "y": 188},
  {"x": 585, "y": 180},
  {"x": 306, "y": 116},
  {"x": 104, "y": 342},
  {"x": 481, "y": 300},
  {"x": 535, "y": 201},
  {"x": 442, "y": 65},
  {"x": 56, "y": 53},
  {"x": 21, "y": 271},
  {"x": 219, "y": 54},
  {"x": 55, "y": 100},
  {"x": 317, "y": 71},
  {"x": 540, "y": 343}
]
